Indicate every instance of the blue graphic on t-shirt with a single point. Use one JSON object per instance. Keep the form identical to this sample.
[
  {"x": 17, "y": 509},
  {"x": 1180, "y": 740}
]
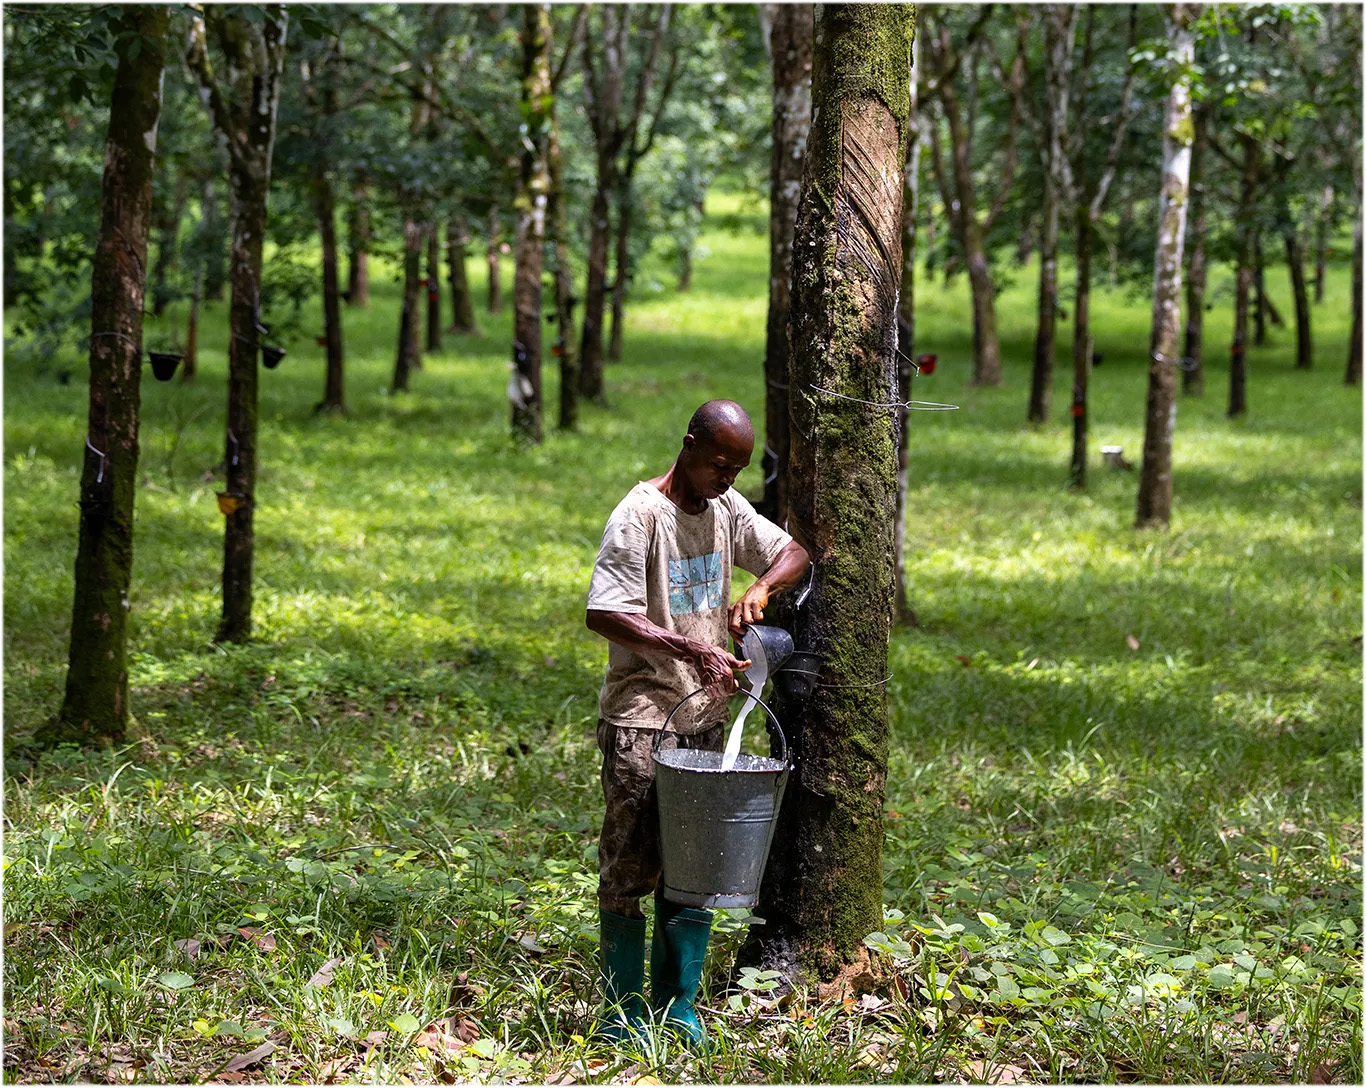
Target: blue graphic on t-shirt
[{"x": 695, "y": 584}]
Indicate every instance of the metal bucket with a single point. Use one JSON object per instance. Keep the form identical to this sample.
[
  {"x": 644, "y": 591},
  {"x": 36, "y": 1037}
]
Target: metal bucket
[{"x": 715, "y": 826}]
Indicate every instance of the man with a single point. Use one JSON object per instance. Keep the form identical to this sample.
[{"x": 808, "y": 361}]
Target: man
[{"x": 659, "y": 596}]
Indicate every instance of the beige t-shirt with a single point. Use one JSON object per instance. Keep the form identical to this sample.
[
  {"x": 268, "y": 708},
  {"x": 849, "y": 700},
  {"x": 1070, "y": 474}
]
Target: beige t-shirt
[{"x": 674, "y": 568}]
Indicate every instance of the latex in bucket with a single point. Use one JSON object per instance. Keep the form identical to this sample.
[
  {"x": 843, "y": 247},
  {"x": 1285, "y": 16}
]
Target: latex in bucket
[{"x": 715, "y": 826}]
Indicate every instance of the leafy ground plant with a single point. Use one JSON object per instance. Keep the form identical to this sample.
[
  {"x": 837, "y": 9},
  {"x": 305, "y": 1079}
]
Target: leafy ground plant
[{"x": 1124, "y": 805}]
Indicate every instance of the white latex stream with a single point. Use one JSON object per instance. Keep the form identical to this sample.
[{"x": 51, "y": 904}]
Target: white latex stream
[{"x": 757, "y": 675}]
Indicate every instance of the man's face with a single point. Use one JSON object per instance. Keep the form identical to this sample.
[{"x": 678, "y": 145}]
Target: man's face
[{"x": 711, "y": 466}]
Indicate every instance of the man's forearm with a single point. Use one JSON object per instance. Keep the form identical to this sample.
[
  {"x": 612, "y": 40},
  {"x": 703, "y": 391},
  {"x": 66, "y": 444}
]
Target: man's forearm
[
  {"x": 787, "y": 569},
  {"x": 635, "y": 632}
]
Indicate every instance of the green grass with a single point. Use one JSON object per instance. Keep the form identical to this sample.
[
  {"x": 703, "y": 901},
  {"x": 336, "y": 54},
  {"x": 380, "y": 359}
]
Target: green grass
[{"x": 1102, "y": 863}]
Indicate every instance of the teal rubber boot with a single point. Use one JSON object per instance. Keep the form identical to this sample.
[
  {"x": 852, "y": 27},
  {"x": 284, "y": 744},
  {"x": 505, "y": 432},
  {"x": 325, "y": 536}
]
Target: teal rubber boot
[
  {"x": 622, "y": 952},
  {"x": 677, "y": 954}
]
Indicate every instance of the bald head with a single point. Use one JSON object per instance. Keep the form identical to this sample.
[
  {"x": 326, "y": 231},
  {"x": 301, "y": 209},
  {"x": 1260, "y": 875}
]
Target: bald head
[{"x": 718, "y": 418}]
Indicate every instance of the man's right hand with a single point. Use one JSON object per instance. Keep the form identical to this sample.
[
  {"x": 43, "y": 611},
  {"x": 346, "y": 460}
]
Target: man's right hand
[{"x": 717, "y": 668}]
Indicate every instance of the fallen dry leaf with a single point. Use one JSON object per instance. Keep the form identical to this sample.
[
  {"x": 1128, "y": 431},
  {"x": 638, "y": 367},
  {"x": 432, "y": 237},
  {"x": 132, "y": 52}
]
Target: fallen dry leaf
[
  {"x": 985, "y": 1072},
  {"x": 438, "y": 1041},
  {"x": 265, "y": 941},
  {"x": 251, "y": 1057},
  {"x": 190, "y": 946},
  {"x": 528, "y": 941},
  {"x": 330, "y": 1070},
  {"x": 323, "y": 975}
]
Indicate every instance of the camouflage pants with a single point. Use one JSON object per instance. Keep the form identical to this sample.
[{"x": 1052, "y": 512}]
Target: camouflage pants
[{"x": 628, "y": 850}]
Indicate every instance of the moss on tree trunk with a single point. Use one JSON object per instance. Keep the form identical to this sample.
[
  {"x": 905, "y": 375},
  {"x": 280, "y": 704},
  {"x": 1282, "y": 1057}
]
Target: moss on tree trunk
[
  {"x": 95, "y": 707},
  {"x": 823, "y": 891}
]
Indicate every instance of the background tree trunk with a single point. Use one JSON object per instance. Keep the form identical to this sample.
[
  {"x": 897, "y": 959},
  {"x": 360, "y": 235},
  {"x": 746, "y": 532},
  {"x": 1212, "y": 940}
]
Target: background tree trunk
[
  {"x": 1155, "y": 478},
  {"x": 1354, "y": 337},
  {"x": 792, "y": 27},
  {"x": 1258, "y": 293},
  {"x": 462, "y": 303},
  {"x": 622, "y": 266},
  {"x": 986, "y": 345},
  {"x": 433, "y": 288},
  {"x": 524, "y": 385},
  {"x": 406, "y": 359},
  {"x": 191, "y": 363},
  {"x": 324, "y": 204},
  {"x": 1058, "y": 25},
  {"x": 557, "y": 212},
  {"x": 95, "y": 707},
  {"x": 1247, "y": 201},
  {"x": 358, "y": 229},
  {"x": 1321, "y": 223},
  {"x": 247, "y": 124},
  {"x": 822, "y": 893},
  {"x": 1192, "y": 365},
  {"x": 1294, "y": 258},
  {"x": 494, "y": 262},
  {"x": 1081, "y": 347},
  {"x": 604, "y": 106}
]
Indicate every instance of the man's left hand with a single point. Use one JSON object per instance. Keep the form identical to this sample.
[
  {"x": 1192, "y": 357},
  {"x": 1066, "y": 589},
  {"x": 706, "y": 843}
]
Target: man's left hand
[{"x": 749, "y": 608}]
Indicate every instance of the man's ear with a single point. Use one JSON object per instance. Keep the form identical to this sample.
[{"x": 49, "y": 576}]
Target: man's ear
[{"x": 689, "y": 443}]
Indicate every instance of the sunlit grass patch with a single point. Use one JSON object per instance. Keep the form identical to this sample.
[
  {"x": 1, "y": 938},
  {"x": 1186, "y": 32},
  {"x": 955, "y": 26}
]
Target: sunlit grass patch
[{"x": 1123, "y": 836}]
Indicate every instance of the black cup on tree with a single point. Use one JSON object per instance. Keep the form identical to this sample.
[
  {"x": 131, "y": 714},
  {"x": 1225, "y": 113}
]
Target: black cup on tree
[
  {"x": 163, "y": 364},
  {"x": 271, "y": 356}
]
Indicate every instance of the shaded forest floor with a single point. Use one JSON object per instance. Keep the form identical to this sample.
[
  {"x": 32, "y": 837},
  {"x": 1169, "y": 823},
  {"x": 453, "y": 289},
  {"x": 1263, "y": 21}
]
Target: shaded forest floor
[{"x": 1124, "y": 803}]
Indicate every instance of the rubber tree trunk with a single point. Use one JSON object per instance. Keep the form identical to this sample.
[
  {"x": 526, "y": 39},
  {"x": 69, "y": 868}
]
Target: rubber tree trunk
[
  {"x": 1247, "y": 201},
  {"x": 822, "y": 893},
  {"x": 1259, "y": 293},
  {"x": 255, "y": 52},
  {"x": 1058, "y": 33},
  {"x": 557, "y": 213},
  {"x": 1354, "y": 338},
  {"x": 524, "y": 383},
  {"x": 1294, "y": 258},
  {"x": 1155, "y": 477},
  {"x": 604, "y": 107},
  {"x": 986, "y": 345},
  {"x": 358, "y": 258},
  {"x": 792, "y": 31},
  {"x": 1321, "y": 222},
  {"x": 95, "y": 707},
  {"x": 407, "y": 358},
  {"x": 1084, "y": 231},
  {"x": 190, "y": 366},
  {"x": 462, "y": 302},
  {"x": 324, "y": 207},
  {"x": 493, "y": 258},
  {"x": 621, "y": 265},
  {"x": 1192, "y": 363},
  {"x": 433, "y": 289},
  {"x": 903, "y": 612},
  {"x": 591, "y": 383}
]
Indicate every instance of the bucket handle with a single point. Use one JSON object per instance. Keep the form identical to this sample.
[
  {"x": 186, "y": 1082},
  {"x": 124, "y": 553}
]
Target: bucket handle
[{"x": 752, "y": 695}]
